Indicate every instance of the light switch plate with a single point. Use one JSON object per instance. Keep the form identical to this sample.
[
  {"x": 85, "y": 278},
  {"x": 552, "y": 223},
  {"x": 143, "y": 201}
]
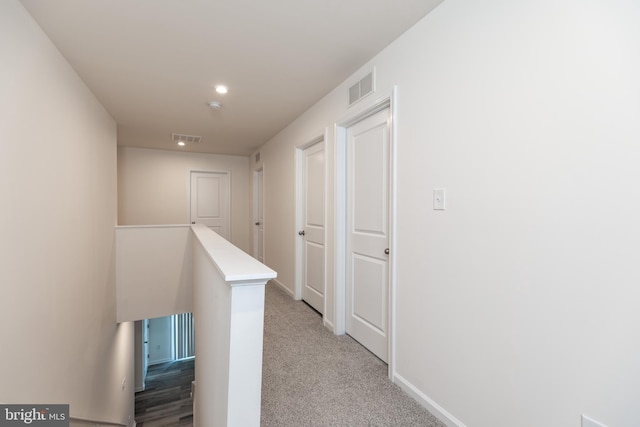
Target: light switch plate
[{"x": 438, "y": 199}]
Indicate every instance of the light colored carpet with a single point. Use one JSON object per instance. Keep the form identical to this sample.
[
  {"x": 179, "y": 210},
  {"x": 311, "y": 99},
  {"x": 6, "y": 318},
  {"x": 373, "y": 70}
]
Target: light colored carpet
[{"x": 312, "y": 377}]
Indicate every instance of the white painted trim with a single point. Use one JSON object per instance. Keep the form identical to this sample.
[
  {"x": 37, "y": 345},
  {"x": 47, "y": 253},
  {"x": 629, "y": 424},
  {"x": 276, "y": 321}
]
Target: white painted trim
[
  {"x": 283, "y": 287},
  {"x": 77, "y": 420},
  {"x": 327, "y": 323},
  {"x": 586, "y": 421},
  {"x": 366, "y": 110},
  {"x": 388, "y": 100},
  {"x": 325, "y": 137},
  {"x": 299, "y": 218},
  {"x": 339, "y": 229},
  {"x": 393, "y": 222},
  {"x": 234, "y": 265},
  {"x": 155, "y": 226},
  {"x": 159, "y": 361},
  {"x": 430, "y": 404},
  {"x": 256, "y": 210}
]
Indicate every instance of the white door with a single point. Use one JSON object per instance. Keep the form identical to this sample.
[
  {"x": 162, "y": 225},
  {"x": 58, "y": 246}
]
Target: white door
[
  {"x": 312, "y": 233},
  {"x": 258, "y": 216},
  {"x": 210, "y": 201},
  {"x": 367, "y": 265}
]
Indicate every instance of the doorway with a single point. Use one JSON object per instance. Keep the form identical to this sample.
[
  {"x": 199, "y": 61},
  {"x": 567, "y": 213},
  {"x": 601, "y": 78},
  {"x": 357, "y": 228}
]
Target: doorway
[
  {"x": 364, "y": 232},
  {"x": 170, "y": 338},
  {"x": 311, "y": 229},
  {"x": 258, "y": 214},
  {"x": 210, "y": 203},
  {"x": 161, "y": 340}
]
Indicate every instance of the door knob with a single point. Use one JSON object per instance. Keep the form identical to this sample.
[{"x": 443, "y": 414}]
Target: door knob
[
  {"x": 386, "y": 251},
  {"x": 301, "y": 233},
  {"x": 258, "y": 223}
]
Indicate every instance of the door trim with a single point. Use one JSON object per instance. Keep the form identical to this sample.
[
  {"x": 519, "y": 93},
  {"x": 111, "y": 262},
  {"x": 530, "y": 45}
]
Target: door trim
[
  {"x": 256, "y": 209},
  {"x": 340, "y": 220},
  {"x": 299, "y": 246}
]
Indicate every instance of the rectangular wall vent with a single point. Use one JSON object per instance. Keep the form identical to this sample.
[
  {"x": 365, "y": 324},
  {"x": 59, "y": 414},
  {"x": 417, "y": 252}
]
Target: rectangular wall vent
[
  {"x": 257, "y": 157},
  {"x": 363, "y": 87},
  {"x": 177, "y": 137}
]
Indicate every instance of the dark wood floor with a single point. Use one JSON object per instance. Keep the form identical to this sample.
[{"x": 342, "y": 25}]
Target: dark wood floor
[{"x": 166, "y": 400}]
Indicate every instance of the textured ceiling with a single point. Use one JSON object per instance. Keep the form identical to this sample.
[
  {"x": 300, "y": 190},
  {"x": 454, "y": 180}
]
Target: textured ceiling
[{"x": 154, "y": 64}]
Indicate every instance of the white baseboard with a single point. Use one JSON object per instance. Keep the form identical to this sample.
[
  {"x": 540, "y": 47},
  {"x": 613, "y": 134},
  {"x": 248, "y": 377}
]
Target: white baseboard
[
  {"x": 438, "y": 411},
  {"x": 328, "y": 324},
  {"x": 159, "y": 361},
  {"x": 283, "y": 287}
]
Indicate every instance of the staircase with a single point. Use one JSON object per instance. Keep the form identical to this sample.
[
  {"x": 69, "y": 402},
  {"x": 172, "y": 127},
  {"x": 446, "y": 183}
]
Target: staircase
[{"x": 166, "y": 399}]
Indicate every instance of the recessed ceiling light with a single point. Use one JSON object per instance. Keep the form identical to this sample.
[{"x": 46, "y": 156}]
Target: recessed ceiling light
[
  {"x": 181, "y": 143},
  {"x": 215, "y": 105},
  {"x": 222, "y": 89}
]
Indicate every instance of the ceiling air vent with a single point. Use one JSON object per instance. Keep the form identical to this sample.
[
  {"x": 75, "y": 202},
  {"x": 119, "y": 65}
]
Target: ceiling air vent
[
  {"x": 186, "y": 138},
  {"x": 361, "y": 88}
]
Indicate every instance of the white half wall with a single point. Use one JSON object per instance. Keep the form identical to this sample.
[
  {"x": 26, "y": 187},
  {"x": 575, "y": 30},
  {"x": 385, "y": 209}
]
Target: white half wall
[
  {"x": 58, "y": 172},
  {"x": 518, "y": 304},
  {"x": 153, "y": 188},
  {"x": 153, "y": 271},
  {"x": 228, "y": 315}
]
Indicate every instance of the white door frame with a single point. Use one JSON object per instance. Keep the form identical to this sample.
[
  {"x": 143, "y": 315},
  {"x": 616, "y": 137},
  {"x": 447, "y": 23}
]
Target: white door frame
[
  {"x": 340, "y": 220},
  {"x": 256, "y": 212},
  {"x": 299, "y": 223}
]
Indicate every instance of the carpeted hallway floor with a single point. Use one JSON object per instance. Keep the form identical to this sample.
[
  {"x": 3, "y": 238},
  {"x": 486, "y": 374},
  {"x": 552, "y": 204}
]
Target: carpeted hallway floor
[{"x": 310, "y": 378}]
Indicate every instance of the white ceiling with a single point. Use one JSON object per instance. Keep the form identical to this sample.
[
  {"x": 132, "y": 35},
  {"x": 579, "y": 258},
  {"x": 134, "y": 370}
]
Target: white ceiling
[{"x": 154, "y": 64}]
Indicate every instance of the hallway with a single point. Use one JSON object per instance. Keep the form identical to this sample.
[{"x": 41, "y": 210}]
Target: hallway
[{"x": 310, "y": 378}]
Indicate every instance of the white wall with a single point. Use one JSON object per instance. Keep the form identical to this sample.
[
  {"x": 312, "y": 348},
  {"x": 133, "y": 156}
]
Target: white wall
[
  {"x": 153, "y": 188},
  {"x": 518, "y": 305},
  {"x": 153, "y": 271},
  {"x": 61, "y": 343}
]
